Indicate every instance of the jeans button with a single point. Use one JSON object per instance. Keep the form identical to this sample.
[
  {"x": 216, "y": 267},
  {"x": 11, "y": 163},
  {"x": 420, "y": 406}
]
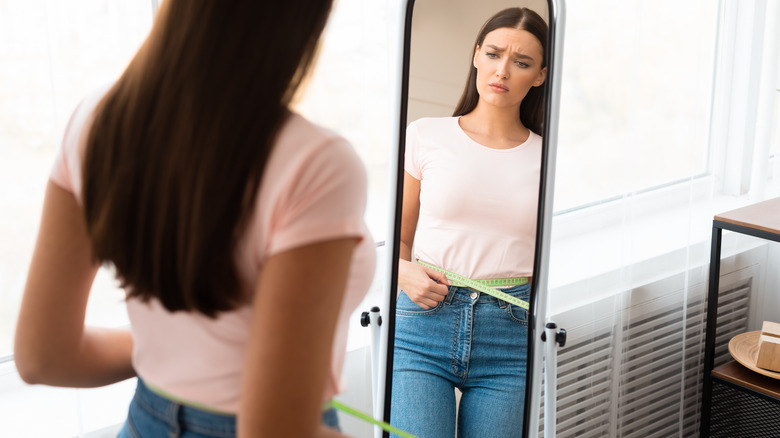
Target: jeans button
[{"x": 473, "y": 295}]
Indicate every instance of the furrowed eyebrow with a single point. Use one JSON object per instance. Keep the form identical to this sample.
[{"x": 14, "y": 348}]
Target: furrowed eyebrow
[{"x": 501, "y": 50}]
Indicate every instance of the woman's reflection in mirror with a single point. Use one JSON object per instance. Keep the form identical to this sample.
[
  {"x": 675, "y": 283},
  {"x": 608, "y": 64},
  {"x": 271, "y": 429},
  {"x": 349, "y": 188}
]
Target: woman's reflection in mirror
[{"x": 470, "y": 196}]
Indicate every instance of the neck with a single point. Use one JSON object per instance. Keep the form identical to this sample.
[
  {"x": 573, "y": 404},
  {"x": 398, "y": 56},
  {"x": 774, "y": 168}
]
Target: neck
[{"x": 500, "y": 122}]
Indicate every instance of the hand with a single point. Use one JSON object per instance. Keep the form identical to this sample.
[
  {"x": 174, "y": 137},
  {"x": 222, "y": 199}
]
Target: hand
[{"x": 426, "y": 287}]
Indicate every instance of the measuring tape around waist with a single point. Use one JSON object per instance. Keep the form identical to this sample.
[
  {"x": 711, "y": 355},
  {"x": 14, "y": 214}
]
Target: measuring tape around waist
[
  {"x": 484, "y": 285},
  {"x": 367, "y": 418},
  {"x": 329, "y": 404}
]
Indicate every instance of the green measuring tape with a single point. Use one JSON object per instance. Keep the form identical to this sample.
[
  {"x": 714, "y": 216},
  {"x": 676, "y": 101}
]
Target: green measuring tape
[
  {"x": 330, "y": 404},
  {"x": 485, "y": 286},
  {"x": 365, "y": 417}
]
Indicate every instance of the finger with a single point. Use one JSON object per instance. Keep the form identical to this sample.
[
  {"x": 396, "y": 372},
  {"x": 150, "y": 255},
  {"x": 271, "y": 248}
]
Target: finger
[
  {"x": 427, "y": 303},
  {"x": 424, "y": 303},
  {"x": 438, "y": 276},
  {"x": 437, "y": 291},
  {"x": 421, "y": 305},
  {"x": 427, "y": 298}
]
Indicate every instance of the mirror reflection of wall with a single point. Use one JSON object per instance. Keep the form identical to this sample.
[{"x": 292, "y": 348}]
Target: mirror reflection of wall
[{"x": 470, "y": 198}]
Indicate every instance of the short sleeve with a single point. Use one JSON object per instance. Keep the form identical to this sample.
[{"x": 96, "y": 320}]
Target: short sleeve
[
  {"x": 66, "y": 170},
  {"x": 324, "y": 199},
  {"x": 412, "y": 153}
]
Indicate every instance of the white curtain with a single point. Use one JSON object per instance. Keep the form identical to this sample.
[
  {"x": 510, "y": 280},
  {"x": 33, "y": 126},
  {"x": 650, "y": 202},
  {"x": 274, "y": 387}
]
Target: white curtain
[{"x": 669, "y": 115}]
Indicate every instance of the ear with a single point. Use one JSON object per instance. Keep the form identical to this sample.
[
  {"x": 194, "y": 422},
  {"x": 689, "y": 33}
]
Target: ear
[
  {"x": 542, "y": 76},
  {"x": 474, "y": 60}
]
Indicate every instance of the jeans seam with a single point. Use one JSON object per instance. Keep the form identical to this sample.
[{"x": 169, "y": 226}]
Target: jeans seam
[
  {"x": 209, "y": 431},
  {"x": 516, "y": 319},
  {"x": 454, "y": 357},
  {"x": 131, "y": 428},
  {"x": 470, "y": 338},
  {"x": 426, "y": 312},
  {"x": 148, "y": 408}
]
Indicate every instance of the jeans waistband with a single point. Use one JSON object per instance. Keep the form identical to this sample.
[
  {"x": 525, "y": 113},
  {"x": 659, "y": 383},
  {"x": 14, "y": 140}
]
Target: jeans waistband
[
  {"x": 466, "y": 294},
  {"x": 179, "y": 416}
]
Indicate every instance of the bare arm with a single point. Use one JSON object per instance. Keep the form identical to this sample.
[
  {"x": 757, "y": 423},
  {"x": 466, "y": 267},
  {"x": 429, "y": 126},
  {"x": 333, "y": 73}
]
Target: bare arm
[
  {"x": 52, "y": 345},
  {"x": 425, "y": 287},
  {"x": 295, "y": 312}
]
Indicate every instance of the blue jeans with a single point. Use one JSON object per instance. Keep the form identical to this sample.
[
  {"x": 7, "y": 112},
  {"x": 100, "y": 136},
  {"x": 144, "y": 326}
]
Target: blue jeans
[
  {"x": 151, "y": 415},
  {"x": 470, "y": 341}
]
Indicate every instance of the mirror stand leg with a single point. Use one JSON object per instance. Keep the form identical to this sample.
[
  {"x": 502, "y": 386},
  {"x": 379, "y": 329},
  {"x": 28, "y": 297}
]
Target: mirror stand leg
[
  {"x": 558, "y": 338},
  {"x": 373, "y": 320}
]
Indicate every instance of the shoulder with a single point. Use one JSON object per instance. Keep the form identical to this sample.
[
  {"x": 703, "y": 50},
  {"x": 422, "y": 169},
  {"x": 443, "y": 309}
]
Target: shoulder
[
  {"x": 66, "y": 170},
  {"x": 301, "y": 140},
  {"x": 427, "y": 124},
  {"x": 82, "y": 116},
  {"x": 300, "y": 136},
  {"x": 535, "y": 140},
  {"x": 314, "y": 187},
  {"x": 535, "y": 137},
  {"x": 433, "y": 130},
  {"x": 303, "y": 147},
  {"x": 297, "y": 128}
]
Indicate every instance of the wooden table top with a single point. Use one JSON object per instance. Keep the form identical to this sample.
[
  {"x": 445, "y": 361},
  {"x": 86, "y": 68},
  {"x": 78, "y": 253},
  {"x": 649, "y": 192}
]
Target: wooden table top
[
  {"x": 764, "y": 216},
  {"x": 734, "y": 372}
]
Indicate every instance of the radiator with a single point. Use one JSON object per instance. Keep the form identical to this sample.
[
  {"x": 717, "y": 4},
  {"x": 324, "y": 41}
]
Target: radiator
[{"x": 637, "y": 371}]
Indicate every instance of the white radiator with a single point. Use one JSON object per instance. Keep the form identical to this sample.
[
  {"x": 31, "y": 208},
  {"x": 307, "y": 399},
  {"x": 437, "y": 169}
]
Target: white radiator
[{"x": 633, "y": 363}]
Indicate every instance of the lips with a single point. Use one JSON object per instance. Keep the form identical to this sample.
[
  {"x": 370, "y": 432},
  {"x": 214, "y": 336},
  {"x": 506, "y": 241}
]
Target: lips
[{"x": 498, "y": 87}]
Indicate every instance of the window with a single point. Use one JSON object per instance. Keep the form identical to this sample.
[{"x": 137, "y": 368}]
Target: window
[
  {"x": 640, "y": 174},
  {"x": 635, "y": 97},
  {"x": 51, "y": 55}
]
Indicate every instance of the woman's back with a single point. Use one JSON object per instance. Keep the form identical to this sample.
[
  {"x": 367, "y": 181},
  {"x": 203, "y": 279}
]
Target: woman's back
[
  {"x": 314, "y": 189},
  {"x": 235, "y": 227}
]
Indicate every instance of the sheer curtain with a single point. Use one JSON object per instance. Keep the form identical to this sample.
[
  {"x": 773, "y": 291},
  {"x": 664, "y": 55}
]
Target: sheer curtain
[
  {"x": 669, "y": 115},
  {"x": 51, "y": 55}
]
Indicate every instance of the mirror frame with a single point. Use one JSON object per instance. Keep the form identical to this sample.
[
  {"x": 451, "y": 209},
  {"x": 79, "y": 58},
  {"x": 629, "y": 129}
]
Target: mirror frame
[{"x": 538, "y": 303}]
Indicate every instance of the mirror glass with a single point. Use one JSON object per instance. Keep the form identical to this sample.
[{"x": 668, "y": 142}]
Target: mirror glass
[{"x": 472, "y": 152}]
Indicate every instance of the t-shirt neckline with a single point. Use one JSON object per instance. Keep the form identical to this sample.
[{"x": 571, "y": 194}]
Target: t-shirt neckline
[{"x": 471, "y": 140}]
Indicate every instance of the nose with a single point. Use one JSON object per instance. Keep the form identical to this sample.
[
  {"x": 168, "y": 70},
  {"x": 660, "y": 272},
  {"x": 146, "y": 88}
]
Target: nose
[{"x": 502, "y": 71}]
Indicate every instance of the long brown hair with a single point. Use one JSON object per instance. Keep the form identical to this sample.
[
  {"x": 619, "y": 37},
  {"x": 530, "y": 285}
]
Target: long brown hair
[
  {"x": 178, "y": 145},
  {"x": 532, "y": 107}
]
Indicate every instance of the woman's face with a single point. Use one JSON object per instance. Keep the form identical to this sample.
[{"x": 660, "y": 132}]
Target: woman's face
[{"x": 508, "y": 63}]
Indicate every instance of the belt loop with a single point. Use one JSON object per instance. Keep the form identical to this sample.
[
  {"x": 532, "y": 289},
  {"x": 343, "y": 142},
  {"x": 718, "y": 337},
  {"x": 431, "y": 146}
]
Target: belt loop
[
  {"x": 172, "y": 416},
  {"x": 501, "y": 303},
  {"x": 450, "y": 293}
]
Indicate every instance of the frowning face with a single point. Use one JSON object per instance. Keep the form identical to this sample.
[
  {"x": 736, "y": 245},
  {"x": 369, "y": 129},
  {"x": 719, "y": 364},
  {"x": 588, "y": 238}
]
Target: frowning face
[{"x": 508, "y": 63}]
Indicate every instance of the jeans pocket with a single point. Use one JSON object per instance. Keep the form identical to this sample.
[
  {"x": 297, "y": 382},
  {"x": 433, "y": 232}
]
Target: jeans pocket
[
  {"x": 404, "y": 306},
  {"x": 517, "y": 313}
]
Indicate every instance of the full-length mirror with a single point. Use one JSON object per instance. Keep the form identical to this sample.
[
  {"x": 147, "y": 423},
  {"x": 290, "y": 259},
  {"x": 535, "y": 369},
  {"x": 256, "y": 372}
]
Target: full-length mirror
[{"x": 474, "y": 104}]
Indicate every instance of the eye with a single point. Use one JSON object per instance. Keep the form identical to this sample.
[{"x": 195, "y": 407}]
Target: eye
[
  {"x": 491, "y": 55},
  {"x": 521, "y": 64}
]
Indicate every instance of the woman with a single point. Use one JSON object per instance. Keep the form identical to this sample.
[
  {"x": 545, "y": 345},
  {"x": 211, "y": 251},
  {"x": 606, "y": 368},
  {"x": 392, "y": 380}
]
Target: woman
[
  {"x": 470, "y": 199},
  {"x": 234, "y": 225}
]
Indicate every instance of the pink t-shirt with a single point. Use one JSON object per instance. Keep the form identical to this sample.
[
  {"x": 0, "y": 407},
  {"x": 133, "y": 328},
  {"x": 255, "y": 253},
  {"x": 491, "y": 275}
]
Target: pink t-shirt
[
  {"x": 313, "y": 189},
  {"x": 478, "y": 205}
]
